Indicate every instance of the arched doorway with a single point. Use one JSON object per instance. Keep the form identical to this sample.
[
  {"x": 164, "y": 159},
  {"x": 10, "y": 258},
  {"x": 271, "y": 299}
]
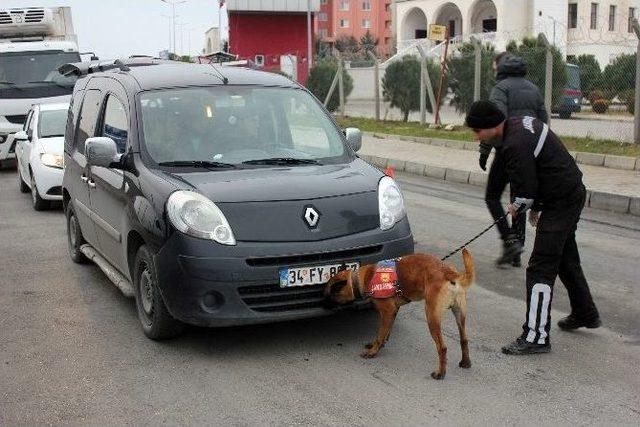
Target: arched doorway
[
  {"x": 450, "y": 16},
  {"x": 484, "y": 17},
  {"x": 414, "y": 25}
]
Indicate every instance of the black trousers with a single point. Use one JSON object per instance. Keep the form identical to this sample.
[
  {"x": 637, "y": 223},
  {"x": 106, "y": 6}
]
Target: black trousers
[
  {"x": 555, "y": 253},
  {"x": 496, "y": 183}
]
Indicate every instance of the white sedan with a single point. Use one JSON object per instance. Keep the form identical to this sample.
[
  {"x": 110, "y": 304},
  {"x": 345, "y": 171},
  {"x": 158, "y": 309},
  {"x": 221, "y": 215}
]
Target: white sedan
[{"x": 40, "y": 153}]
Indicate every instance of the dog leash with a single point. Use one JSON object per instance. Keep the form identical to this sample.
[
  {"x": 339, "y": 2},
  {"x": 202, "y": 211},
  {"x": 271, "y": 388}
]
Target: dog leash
[{"x": 476, "y": 236}]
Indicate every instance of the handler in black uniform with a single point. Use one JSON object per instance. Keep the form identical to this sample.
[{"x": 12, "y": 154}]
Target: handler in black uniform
[{"x": 544, "y": 178}]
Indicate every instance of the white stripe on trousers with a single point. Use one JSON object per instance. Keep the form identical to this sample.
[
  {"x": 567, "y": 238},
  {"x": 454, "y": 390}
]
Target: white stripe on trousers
[{"x": 545, "y": 290}]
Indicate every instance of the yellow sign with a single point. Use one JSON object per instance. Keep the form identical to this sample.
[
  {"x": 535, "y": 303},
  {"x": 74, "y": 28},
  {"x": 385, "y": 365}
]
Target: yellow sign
[{"x": 437, "y": 33}]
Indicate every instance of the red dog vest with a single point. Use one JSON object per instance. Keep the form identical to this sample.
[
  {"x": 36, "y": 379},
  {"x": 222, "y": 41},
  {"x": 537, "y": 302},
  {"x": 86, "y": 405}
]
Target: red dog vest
[{"x": 384, "y": 283}]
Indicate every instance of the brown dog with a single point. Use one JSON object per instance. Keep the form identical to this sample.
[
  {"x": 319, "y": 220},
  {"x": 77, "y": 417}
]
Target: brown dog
[{"x": 420, "y": 277}]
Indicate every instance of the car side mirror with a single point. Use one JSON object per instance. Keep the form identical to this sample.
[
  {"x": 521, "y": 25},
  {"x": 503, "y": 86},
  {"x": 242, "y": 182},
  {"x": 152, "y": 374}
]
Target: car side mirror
[
  {"x": 101, "y": 151},
  {"x": 21, "y": 136},
  {"x": 354, "y": 138}
]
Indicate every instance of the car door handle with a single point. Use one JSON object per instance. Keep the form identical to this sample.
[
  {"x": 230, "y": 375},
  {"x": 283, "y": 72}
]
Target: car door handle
[
  {"x": 84, "y": 178},
  {"x": 91, "y": 183}
]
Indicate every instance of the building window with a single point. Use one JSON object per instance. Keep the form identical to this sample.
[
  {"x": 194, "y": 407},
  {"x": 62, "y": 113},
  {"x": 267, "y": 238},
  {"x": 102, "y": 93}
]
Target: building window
[
  {"x": 612, "y": 18},
  {"x": 344, "y": 5},
  {"x": 259, "y": 60},
  {"x": 366, "y": 23},
  {"x": 632, "y": 14},
  {"x": 366, "y": 5},
  {"x": 322, "y": 34},
  {"x": 323, "y": 1},
  {"x": 322, "y": 16},
  {"x": 387, "y": 25},
  {"x": 344, "y": 23},
  {"x": 573, "y": 15},
  {"x": 594, "y": 16},
  {"x": 387, "y": 8}
]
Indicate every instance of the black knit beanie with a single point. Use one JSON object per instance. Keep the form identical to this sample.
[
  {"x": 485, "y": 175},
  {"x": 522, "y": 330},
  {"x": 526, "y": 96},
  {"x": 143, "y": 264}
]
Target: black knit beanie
[{"x": 484, "y": 115}]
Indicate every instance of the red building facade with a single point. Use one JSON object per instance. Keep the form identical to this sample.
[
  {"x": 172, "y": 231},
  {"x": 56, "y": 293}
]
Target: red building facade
[
  {"x": 354, "y": 18},
  {"x": 274, "y": 39}
]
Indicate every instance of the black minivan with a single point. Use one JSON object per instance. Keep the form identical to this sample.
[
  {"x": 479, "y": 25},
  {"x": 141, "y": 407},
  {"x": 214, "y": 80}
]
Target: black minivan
[{"x": 218, "y": 196}]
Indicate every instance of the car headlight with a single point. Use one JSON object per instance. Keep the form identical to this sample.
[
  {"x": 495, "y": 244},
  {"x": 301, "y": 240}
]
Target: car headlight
[
  {"x": 195, "y": 215},
  {"x": 52, "y": 160},
  {"x": 390, "y": 203}
]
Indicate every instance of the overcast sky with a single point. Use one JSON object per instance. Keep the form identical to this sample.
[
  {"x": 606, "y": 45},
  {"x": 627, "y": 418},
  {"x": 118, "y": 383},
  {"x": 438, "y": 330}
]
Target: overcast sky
[{"x": 115, "y": 28}]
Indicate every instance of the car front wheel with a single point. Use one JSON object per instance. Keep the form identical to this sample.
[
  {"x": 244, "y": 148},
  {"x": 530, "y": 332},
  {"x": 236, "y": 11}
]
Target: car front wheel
[
  {"x": 74, "y": 237},
  {"x": 156, "y": 321},
  {"x": 39, "y": 203}
]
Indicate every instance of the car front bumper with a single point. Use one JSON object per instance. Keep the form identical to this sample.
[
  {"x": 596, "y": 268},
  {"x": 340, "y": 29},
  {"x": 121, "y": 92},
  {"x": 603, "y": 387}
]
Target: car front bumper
[{"x": 207, "y": 284}]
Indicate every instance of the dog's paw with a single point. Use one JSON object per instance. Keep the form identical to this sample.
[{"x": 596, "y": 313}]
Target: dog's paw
[
  {"x": 437, "y": 375},
  {"x": 465, "y": 364},
  {"x": 368, "y": 353}
]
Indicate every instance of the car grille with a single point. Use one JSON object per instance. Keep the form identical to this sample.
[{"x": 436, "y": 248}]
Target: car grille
[
  {"x": 273, "y": 298},
  {"x": 291, "y": 260},
  {"x": 17, "y": 119}
]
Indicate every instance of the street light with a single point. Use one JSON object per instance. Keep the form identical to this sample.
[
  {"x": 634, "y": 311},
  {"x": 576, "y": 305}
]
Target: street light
[{"x": 173, "y": 4}]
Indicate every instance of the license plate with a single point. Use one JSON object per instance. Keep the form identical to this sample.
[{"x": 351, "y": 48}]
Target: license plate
[{"x": 305, "y": 276}]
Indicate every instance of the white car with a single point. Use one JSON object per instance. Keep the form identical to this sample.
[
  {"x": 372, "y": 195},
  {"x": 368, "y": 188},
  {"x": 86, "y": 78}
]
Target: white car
[{"x": 40, "y": 153}]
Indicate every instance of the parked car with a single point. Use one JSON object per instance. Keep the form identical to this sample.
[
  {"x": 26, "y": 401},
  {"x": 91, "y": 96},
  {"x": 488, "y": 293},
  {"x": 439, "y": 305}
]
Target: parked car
[
  {"x": 39, "y": 153},
  {"x": 218, "y": 196},
  {"x": 571, "y": 94}
]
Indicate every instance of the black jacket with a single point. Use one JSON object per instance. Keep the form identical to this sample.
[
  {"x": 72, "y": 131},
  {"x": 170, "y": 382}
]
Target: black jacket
[
  {"x": 541, "y": 171},
  {"x": 515, "y": 95}
]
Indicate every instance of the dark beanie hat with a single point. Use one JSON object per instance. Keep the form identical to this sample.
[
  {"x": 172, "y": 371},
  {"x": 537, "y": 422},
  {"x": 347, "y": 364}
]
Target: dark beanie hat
[{"x": 484, "y": 115}]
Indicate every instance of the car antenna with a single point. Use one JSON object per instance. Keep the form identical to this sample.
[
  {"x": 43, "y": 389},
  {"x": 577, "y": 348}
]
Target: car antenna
[{"x": 224, "y": 79}]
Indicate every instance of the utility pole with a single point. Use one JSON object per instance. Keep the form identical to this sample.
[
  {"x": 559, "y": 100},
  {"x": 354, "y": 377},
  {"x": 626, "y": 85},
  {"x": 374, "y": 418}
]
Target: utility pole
[
  {"x": 173, "y": 4},
  {"x": 309, "y": 50}
]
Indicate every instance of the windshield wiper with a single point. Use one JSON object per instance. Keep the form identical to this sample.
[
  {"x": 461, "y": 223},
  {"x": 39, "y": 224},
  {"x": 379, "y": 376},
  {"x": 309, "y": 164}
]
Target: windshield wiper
[
  {"x": 50, "y": 82},
  {"x": 282, "y": 161},
  {"x": 198, "y": 164},
  {"x": 4, "y": 82}
]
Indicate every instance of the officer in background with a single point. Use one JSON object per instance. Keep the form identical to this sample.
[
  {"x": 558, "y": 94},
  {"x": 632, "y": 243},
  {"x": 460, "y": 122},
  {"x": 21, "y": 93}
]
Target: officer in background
[
  {"x": 544, "y": 178},
  {"x": 514, "y": 96}
]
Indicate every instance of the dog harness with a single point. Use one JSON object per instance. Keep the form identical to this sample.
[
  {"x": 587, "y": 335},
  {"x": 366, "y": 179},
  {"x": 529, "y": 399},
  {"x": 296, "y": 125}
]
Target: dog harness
[{"x": 384, "y": 283}]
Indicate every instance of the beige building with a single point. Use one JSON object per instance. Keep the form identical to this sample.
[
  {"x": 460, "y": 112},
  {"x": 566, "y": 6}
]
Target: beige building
[
  {"x": 212, "y": 41},
  {"x": 576, "y": 27}
]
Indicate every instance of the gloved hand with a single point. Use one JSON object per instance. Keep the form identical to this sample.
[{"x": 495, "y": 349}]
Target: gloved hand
[{"x": 483, "y": 161}]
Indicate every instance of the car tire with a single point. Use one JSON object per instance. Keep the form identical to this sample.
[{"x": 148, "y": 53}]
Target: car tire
[
  {"x": 157, "y": 323},
  {"x": 74, "y": 237},
  {"x": 38, "y": 202},
  {"x": 24, "y": 188}
]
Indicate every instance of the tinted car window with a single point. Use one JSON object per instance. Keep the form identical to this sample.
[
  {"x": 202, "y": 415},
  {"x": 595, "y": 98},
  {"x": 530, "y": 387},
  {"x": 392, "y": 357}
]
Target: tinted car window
[
  {"x": 72, "y": 118},
  {"x": 27, "y": 121},
  {"x": 88, "y": 118},
  {"x": 116, "y": 123},
  {"x": 51, "y": 123},
  {"x": 237, "y": 124}
]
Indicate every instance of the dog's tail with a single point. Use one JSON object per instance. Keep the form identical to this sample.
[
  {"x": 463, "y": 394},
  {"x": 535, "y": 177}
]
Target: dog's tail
[{"x": 469, "y": 275}]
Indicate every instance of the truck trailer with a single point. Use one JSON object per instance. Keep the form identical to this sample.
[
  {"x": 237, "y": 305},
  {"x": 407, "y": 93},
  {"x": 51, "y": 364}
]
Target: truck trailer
[{"x": 34, "y": 42}]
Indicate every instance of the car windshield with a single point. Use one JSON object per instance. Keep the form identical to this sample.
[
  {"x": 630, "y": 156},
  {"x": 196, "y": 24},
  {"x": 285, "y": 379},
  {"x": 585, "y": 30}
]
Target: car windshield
[
  {"x": 52, "y": 123},
  {"x": 39, "y": 68},
  {"x": 237, "y": 125}
]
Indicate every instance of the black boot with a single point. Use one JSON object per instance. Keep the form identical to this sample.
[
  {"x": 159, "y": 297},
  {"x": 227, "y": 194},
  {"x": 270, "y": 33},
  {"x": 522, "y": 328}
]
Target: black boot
[
  {"x": 521, "y": 346},
  {"x": 572, "y": 322},
  {"x": 516, "y": 262},
  {"x": 511, "y": 247}
]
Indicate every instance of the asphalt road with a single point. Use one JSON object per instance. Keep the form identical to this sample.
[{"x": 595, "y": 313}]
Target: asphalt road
[{"x": 71, "y": 350}]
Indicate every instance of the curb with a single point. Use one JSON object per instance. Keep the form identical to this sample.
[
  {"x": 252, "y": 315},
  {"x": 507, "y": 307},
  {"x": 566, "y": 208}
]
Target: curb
[
  {"x": 595, "y": 199},
  {"x": 591, "y": 159}
]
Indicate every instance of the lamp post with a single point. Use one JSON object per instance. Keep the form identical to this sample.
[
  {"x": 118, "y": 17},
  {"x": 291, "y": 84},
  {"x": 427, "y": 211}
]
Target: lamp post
[
  {"x": 173, "y": 4},
  {"x": 309, "y": 51}
]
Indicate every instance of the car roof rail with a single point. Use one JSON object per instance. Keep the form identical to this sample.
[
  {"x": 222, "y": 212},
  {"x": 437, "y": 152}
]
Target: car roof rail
[{"x": 84, "y": 68}]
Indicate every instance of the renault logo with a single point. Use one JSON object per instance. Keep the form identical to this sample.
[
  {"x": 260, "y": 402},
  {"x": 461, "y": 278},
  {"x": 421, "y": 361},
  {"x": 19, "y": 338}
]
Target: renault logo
[{"x": 311, "y": 215}]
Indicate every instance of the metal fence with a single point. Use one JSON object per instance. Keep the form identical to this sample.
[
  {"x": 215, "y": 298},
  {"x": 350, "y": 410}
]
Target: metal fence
[{"x": 587, "y": 93}]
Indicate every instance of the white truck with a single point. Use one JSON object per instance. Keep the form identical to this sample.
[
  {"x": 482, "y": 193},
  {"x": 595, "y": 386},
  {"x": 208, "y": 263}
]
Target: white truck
[{"x": 34, "y": 42}]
